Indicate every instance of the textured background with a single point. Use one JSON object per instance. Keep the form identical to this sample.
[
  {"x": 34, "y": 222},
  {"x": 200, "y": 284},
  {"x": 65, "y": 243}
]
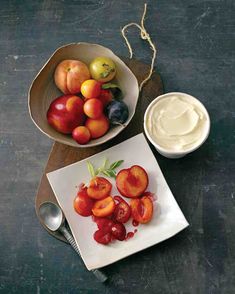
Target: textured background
[{"x": 196, "y": 55}]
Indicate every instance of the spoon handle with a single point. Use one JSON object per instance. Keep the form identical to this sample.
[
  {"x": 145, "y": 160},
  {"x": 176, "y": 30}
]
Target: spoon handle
[{"x": 99, "y": 274}]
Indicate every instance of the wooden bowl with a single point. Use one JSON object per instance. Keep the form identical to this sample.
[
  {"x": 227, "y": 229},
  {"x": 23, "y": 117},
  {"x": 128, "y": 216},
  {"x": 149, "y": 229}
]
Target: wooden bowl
[{"x": 43, "y": 90}]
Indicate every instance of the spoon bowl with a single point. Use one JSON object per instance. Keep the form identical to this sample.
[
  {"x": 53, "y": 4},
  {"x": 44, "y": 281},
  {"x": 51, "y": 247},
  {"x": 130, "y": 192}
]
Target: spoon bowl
[{"x": 51, "y": 216}]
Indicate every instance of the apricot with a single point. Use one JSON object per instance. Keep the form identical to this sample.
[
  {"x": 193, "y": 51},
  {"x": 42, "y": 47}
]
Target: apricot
[
  {"x": 93, "y": 108},
  {"x": 91, "y": 89},
  {"x": 81, "y": 135},
  {"x": 69, "y": 76},
  {"x": 97, "y": 127}
]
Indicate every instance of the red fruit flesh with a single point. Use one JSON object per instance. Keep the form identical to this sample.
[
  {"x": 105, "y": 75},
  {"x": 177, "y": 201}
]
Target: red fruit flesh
[
  {"x": 142, "y": 209},
  {"x": 132, "y": 182},
  {"x": 102, "y": 237},
  {"x": 99, "y": 188},
  {"x": 135, "y": 223},
  {"x": 104, "y": 224},
  {"x": 122, "y": 210},
  {"x": 118, "y": 231},
  {"x": 83, "y": 204},
  {"x": 104, "y": 207},
  {"x": 120, "y": 180},
  {"x": 130, "y": 235}
]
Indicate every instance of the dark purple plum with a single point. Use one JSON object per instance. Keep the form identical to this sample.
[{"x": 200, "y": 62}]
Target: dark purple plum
[{"x": 117, "y": 112}]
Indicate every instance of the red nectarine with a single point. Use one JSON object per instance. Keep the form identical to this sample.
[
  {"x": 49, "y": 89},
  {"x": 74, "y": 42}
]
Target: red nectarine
[{"x": 66, "y": 113}]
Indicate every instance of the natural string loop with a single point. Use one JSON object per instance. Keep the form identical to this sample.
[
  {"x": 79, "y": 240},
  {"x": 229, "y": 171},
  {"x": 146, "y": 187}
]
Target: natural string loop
[{"x": 145, "y": 36}]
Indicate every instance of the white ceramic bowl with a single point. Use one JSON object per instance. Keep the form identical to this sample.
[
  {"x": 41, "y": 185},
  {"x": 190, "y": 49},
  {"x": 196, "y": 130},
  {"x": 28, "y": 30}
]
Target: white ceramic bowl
[
  {"x": 170, "y": 153},
  {"x": 43, "y": 90}
]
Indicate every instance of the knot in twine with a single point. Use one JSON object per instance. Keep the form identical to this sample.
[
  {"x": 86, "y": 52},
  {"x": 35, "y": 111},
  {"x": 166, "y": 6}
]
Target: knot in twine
[{"x": 144, "y": 36}]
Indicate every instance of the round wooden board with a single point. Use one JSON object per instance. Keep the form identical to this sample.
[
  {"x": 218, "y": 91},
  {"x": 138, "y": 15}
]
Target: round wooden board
[{"x": 62, "y": 155}]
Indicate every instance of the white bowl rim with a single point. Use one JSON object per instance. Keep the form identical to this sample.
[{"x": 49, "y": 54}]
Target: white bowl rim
[
  {"x": 63, "y": 141},
  {"x": 167, "y": 151}
]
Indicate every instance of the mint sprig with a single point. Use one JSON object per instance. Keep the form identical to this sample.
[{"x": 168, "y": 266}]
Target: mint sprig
[
  {"x": 91, "y": 169},
  {"x": 106, "y": 169}
]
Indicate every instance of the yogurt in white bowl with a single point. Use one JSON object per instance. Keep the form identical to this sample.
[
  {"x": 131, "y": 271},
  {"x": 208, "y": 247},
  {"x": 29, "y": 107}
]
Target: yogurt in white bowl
[{"x": 176, "y": 124}]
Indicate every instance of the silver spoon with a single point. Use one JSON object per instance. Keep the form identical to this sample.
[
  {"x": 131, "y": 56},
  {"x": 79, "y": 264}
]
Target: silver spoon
[{"x": 53, "y": 218}]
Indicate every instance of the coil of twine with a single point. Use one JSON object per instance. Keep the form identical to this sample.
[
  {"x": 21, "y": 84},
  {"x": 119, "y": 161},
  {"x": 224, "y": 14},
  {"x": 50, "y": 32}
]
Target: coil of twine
[{"x": 145, "y": 36}]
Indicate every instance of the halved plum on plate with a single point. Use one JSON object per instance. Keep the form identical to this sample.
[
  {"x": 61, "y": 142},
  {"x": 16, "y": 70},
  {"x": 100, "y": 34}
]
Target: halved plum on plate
[
  {"x": 83, "y": 204},
  {"x": 142, "y": 209},
  {"x": 103, "y": 207},
  {"x": 132, "y": 182},
  {"x": 122, "y": 211},
  {"x": 99, "y": 188}
]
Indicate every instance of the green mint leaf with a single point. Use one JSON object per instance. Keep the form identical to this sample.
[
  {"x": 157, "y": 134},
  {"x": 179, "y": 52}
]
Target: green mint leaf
[
  {"x": 105, "y": 163},
  {"x": 91, "y": 169},
  {"x": 106, "y": 173},
  {"x": 109, "y": 173},
  {"x": 98, "y": 171},
  {"x": 116, "y": 164},
  {"x": 109, "y": 86}
]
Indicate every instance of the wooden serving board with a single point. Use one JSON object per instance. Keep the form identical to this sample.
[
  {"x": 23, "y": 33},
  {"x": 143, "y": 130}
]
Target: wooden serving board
[{"x": 62, "y": 155}]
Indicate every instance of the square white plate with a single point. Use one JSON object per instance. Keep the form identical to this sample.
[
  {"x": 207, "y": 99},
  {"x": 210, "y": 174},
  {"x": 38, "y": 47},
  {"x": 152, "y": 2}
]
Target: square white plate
[{"x": 167, "y": 220}]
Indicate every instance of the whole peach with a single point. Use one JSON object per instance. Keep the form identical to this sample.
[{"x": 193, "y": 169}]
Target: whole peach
[
  {"x": 66, "y": 113},
  {"x": 69, "y": 76},
  {"x": 97, "y": 127}
]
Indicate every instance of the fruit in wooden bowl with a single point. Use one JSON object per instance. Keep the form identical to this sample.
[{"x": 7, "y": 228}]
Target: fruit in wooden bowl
[
  {"x": 69, "y": 76},
  {"x": 66, "y": 113},
  {"x": 81, "y": 135},
  {"x": 44, "y": 91},
  {"x": 97, "y": 127}
]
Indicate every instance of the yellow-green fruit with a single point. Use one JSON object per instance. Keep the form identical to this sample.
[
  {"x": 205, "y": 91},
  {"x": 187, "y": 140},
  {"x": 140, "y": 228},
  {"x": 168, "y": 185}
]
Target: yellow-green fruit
[{"x": 102, "y": 69}]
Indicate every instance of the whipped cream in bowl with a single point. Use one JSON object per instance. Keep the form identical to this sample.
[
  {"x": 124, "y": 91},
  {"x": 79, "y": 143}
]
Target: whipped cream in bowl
[{"x": 176, "y": 124}]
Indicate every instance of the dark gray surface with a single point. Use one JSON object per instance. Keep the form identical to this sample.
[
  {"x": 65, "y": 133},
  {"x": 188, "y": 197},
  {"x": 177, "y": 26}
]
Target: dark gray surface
[{"x": 196, "y": 55}]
